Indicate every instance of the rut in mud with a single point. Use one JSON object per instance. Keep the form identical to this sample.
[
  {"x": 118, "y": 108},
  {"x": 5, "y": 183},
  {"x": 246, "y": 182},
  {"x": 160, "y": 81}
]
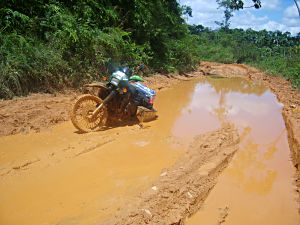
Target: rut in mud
[{"x": 181, "y": 189}]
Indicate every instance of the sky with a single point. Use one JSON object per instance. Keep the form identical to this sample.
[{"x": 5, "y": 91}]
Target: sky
[{"x": 274, "y": 15}]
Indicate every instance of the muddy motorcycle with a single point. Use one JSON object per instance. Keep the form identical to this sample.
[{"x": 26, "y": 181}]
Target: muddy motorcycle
[{"x": 105, "y": 104}]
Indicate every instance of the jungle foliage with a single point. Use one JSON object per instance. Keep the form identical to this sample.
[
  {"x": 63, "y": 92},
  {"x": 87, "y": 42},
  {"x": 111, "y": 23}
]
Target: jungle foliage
[
  {"x": 48, "y": 44},
  {"x": 275, "y": 52}
]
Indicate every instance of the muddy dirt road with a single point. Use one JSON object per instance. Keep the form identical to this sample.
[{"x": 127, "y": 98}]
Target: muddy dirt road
[
  {"x": 161, "y": 174},
  {"x": 59, "y": 176}
]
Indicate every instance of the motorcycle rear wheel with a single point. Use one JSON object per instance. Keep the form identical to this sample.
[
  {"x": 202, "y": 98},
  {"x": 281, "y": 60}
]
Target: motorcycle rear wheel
[{"x": 82, "y": 111}]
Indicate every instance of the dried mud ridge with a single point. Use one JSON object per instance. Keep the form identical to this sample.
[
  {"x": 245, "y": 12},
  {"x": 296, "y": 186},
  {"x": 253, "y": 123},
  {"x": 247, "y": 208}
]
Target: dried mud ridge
[
  {"x": 35, "y": 112},
  {"x": 181, "y": 190}
]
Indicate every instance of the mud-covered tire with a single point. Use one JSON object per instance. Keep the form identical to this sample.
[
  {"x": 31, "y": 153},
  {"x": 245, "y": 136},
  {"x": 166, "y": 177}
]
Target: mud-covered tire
[{"x": 81, "y": 111}]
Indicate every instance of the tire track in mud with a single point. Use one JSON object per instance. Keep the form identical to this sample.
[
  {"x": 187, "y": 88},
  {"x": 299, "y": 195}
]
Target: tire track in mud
[
  {"x": 89, "y": 149},
  {"x": 18, "y": 167},
  {"x": 181, "y": 189},
  {"x": 53, "y": 157}
]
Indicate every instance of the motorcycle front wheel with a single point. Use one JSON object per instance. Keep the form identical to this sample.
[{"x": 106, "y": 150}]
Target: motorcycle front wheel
[{"x": 81, "y": 113}]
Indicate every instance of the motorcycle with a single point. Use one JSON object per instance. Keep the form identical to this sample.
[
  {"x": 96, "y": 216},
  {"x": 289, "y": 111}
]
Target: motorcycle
[{"x": 122, "y": 98}]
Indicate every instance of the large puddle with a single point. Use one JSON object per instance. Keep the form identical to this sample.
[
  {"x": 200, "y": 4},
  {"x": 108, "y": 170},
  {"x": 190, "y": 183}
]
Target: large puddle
[
  {"x": 257, "y": 187},
  {"x": 61, "y": 177}
]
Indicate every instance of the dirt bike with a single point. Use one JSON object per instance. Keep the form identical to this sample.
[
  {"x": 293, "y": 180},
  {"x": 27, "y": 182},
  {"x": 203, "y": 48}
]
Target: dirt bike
[{"x": 120, "y": 99}]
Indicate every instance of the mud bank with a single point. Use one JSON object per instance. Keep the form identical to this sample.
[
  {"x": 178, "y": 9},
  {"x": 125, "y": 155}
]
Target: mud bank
[
  {"x": 286, "y": 94},
  {"x": 180, "y": 190}
]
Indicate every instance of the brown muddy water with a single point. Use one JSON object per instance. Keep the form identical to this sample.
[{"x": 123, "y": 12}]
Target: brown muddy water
[
  {"x": 62, "y": 177},
  {"x": 258, "y": 185}
]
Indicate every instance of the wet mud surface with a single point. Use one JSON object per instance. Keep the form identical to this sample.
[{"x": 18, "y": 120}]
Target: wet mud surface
[{"x": 167, "y": 171}]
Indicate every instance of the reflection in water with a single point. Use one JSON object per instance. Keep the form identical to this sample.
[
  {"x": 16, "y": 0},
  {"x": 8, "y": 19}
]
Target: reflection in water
[
  {"x": 237, "y": 85},
  {"x": 258, "y": 182},
  {"x": 251, "y": 172},
  {"x": 269, "y": 153}
]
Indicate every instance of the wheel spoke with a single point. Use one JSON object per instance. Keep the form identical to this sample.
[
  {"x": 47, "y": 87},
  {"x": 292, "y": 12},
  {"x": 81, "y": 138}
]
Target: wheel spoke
[{"x": 84, "y": 109}]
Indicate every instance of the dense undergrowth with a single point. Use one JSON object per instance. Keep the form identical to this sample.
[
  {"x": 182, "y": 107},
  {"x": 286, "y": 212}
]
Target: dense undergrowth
[
  {"x": 49, "y": 44},
  {"x": 46, "y": 45}
]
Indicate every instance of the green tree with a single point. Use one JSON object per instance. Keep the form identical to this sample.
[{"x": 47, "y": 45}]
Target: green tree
[
  {"x": 48, "y": 44},
  {"x": 226, "y": 4}
]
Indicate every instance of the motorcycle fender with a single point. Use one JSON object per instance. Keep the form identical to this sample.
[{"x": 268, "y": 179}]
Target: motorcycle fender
[{"x": 99, "y": 89}]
